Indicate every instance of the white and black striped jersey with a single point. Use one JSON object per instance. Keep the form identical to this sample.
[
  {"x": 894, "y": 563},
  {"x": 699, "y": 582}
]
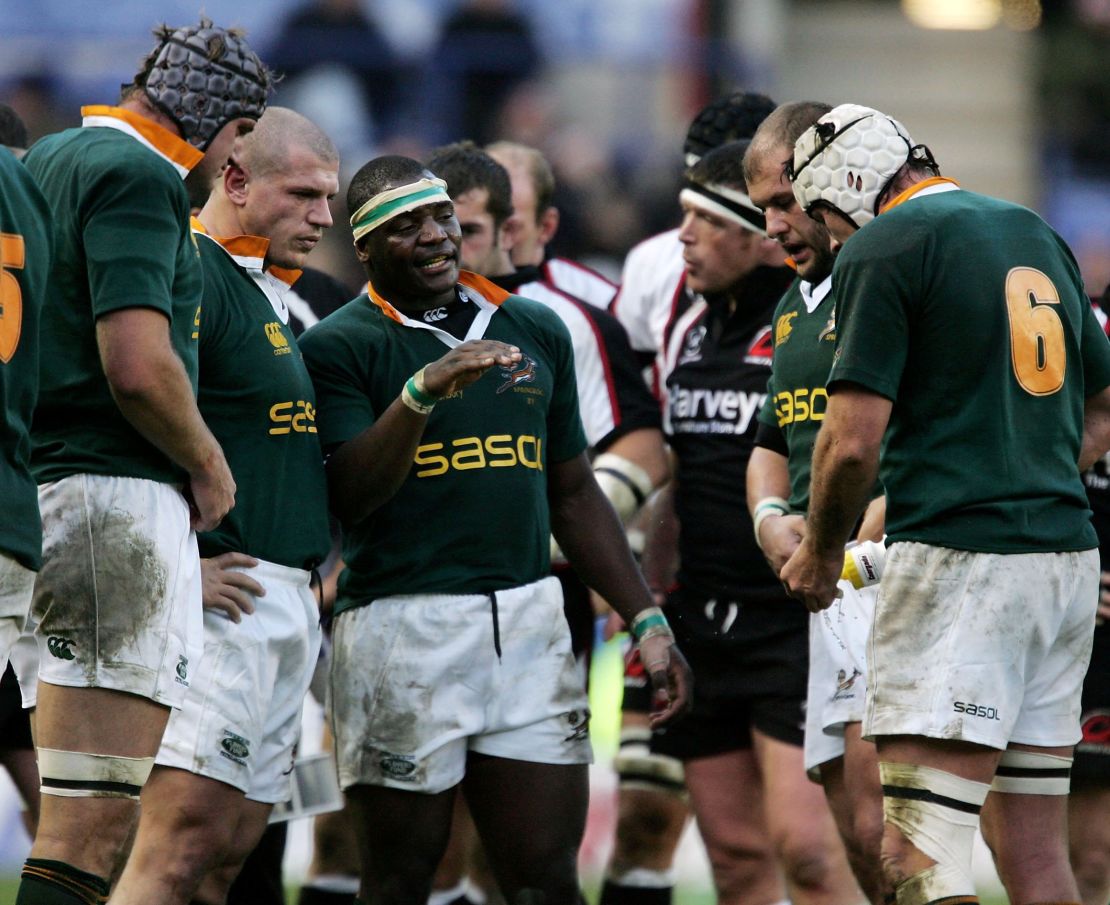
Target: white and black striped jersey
[
  {"x": 652, "y": 291},
  {"x": 612, "y": 397},
  {"x": 578, "y": 280}
]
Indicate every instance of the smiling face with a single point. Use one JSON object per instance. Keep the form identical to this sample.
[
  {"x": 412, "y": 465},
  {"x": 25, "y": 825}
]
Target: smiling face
[
  {"x": 803, "y": 238},
  {"x": 413, "y": 259},
  {"x": 718, "y": 253},
  {"x": 289, "y": 205}
]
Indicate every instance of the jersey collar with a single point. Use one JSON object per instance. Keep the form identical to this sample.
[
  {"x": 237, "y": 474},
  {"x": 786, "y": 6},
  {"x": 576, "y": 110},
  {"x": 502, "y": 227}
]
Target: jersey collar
[
  {"x": 814, "y": 295},
  {"x": 249, "y": 252},
  {"x": 181, "y": 155},
  {"x": 487, "y": 296},
  {"x": 934, "y": 185}
]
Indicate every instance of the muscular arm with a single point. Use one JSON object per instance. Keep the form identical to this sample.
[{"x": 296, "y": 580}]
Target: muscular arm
[
  {"x": 149, "y": 384},
  {"x": 593, "y": 540},
  {"x": 369, "y": 469},
  {"x": 845, "y": 467},
  {"x": 1096, "y": 429}
]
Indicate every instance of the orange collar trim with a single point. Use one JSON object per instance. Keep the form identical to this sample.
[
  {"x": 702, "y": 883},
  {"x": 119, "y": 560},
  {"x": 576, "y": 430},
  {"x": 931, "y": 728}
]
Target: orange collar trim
[
  {"x": 493, "y": 294},
  {"x": 914, "y": 189},
  {"x": 162, "y": 140},
  {"x": 250, "y": 252}
]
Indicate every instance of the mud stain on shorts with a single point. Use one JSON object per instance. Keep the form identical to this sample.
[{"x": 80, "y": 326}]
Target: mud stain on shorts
[{"x": 101, "y": 592}]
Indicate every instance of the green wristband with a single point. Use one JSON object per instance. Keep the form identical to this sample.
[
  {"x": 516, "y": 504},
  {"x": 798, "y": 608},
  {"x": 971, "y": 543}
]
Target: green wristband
[{"x": 649, "y": 622}]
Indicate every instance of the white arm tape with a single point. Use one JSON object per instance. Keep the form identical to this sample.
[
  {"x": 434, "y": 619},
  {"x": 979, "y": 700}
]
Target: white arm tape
[{"x": 625, "y": 484}]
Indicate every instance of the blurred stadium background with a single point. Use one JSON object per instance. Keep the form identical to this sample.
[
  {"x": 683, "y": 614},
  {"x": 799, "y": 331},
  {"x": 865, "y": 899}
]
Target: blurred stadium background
[{"x": 1013, "y": 96}]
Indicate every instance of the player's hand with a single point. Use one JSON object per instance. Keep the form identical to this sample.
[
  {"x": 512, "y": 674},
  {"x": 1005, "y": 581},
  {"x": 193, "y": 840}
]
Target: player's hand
[
  {"x": 780, "y": 536},
  {"x": 811, "y": 578},
  {"x": 228, "y": 589},
  {"x": 211, "y": 494},
  {"x": 671, "y": 679},
  {"x": 1103, "y": 612},
  {"x": 465, "y": 364}
]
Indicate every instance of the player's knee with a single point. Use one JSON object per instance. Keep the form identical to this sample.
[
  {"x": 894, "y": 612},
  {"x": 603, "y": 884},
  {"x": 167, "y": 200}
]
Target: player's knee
[
  {"x": 645, "y": 829},
  {"x": 931, "y": 817},
  {"x": 806, "y": 862}
]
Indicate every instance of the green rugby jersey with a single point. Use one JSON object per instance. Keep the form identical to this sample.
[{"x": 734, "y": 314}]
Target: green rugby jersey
[
  {"x": 970, "y": 314},
  {"x": 257, "y": 399},
  {"x": 804, "y": 342},
  {"x": 25, "y": 253},
  {"x": 472, "y": 515},
  {"x": 121, "y": 240}
]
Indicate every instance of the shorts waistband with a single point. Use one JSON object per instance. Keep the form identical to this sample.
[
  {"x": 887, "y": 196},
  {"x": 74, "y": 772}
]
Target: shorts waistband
[
  {"x": 502, "y": 593},
  {"x": 273, "y": 572}
]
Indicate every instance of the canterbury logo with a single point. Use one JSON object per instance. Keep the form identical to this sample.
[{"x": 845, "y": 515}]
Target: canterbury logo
[
  {"x": 783, "y": 327},
  {"x": 525, "y": 372},
  {"x": 59, "y": 647},
  {"x": 275, "y": 336}
]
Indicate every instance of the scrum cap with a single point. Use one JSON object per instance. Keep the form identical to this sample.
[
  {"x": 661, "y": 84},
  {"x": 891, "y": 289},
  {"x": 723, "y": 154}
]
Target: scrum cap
[
  {"x": 202, "y": 77},
  {"x": 847, "y": 158},
  {"x": 725, "y": 120}
]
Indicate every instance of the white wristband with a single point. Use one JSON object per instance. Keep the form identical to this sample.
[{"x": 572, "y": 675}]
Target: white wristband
[{"x": 764, "y": 509}]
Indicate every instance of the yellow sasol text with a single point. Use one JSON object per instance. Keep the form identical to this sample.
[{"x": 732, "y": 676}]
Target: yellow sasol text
[
  {"x": 293, "y": 417},
  {"x": 802, "y": 404},
  {"x": 466, "y": 453}
]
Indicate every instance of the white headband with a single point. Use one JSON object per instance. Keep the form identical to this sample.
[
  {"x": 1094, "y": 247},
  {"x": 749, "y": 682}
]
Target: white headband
[{"x": 728, "y": 203}]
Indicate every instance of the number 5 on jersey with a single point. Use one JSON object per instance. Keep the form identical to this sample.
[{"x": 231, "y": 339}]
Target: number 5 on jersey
[{"x": 11, "y": 297}]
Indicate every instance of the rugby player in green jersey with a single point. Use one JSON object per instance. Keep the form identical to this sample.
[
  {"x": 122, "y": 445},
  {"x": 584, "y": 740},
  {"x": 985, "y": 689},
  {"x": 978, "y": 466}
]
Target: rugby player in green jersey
[
  {"x": 125, "y": 464},
  {"x": 449, "y": 413},
  {"x": 968, "y": 350},
  {"x": 226, "y": 754},
  {"x": 778, "y": 494}
]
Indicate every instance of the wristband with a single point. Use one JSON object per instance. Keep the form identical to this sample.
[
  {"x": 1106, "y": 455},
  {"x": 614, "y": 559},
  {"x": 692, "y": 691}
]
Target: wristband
[
  {"x": 764, "y": 509},
  {"x": 650, "y": 623},
  {"x": 416, "y": 396}
]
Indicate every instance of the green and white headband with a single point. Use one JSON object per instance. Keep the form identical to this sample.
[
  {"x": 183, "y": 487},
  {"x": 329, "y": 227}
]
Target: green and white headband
[{"x": 400, "y": 200}]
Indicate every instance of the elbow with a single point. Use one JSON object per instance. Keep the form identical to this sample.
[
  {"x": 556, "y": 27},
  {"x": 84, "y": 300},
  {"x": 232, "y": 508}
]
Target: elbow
[{"x": 131, "y": 380}]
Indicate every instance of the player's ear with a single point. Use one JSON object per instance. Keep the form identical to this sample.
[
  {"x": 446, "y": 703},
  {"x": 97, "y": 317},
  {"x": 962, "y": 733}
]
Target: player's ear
[
  {"x": 236, "y": 181},
  {"x": 508, "y": 234},
  {"x": 549, "y": 224},
  {"x": 362, "y": 252}
]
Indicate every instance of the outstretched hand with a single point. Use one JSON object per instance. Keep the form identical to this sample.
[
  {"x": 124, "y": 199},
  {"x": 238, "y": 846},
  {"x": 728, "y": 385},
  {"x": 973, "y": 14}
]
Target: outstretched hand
[{"x": 464, "y": 364}]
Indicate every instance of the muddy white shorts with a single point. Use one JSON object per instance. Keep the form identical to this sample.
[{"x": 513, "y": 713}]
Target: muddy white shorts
[
  {"x": 16, "y": 585},
  {"x": 417, "y": 681},
  {"x": 837, "y": 684},
  {"x": 117, "y": 603},
  {"x": 241, "y": 717},
  {"x": 984, "y": 647}
]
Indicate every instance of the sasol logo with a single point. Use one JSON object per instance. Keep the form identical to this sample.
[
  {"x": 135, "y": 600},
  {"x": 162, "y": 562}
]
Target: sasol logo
[
  {"x": 298, "y": 417},
  {"x": 59, "y": 647},
  {"x": 980, "y": 710},
  {"x": 801, "y": 405},
  {"x": 494, "y": 451}
]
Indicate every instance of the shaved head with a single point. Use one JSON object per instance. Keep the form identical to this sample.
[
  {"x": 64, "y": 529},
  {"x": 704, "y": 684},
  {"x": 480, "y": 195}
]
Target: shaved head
[{"x": 279, "y": 130}]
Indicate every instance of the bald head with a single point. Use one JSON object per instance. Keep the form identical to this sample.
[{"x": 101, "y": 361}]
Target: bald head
[
  {"x": 267, "y": 148},
  {"x": 780, "y": 130}
]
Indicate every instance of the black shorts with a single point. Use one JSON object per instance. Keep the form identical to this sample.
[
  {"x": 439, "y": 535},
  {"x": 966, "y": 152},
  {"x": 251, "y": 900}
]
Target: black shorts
[
  {"x": 1092, "y": 754},
  {"x": 750, "y": 665},
  {"x": 15, "y": 723}
]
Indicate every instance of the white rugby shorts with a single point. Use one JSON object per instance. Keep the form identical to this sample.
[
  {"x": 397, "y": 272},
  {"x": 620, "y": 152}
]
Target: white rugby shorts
[
  {"x": 837, "y": 684},
  {"x": 16, "y": 585},
  {"x": 117, "y": 603},
  {"x": 983, "y": 647},
  {"x": 241, "y": 717},
  {"x": 417, "y": 681}
]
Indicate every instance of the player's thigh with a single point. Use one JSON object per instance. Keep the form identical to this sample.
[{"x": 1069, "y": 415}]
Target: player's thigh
[
  {"x": 531, "y": 818},
  {"x": 797, "y": 813},
  {"x": 398, "y": 830},
  {"x": 98, "y": 721},
  {"x": 726, "y": 796}
]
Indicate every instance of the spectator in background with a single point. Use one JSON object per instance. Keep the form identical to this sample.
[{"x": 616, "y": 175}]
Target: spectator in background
[
  {"x": 324, "y": 35},
  {"x": 485, "y": 50}
]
